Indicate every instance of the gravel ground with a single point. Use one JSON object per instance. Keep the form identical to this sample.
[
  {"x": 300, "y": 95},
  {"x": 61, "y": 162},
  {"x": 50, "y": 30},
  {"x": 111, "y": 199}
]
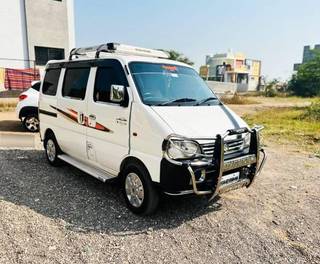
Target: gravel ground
[{"x": 62, "y": 215}]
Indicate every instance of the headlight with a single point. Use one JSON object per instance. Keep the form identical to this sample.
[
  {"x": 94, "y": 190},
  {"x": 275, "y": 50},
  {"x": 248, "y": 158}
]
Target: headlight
[
  {"x": 246, "y": 141},
  {"x": 180, "y": 148}
]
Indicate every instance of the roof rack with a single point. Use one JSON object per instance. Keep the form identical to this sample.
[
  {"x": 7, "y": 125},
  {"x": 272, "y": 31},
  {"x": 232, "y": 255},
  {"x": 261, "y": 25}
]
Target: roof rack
[{"x": 117, "y": 48}]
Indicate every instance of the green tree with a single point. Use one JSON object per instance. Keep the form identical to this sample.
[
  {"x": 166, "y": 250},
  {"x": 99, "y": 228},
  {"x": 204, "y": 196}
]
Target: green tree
[
  {"x": 307, "y": 80},
  {"x": 177, "y": 56}
]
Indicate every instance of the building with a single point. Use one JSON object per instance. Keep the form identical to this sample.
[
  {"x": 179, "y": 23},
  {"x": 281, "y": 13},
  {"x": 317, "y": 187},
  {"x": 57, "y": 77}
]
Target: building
[
  {"x": 35, "y": 31},
  {"x": 233, "y": 68},
  {"x": 308, "y": 55}
]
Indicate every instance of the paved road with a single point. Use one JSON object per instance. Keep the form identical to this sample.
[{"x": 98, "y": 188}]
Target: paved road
[
  {"x": 13, "y": 135},
  {"x": 18, "y": 140}
]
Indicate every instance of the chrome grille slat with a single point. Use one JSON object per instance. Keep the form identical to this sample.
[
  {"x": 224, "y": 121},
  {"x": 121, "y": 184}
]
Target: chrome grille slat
[
  {"x": 235, "y": 147},
  {"x": 234, "y": 143},
  {"x": 230, "y": 141},
  {"x": 208, "y": 145},
  {"x": 208, "y": 149}
]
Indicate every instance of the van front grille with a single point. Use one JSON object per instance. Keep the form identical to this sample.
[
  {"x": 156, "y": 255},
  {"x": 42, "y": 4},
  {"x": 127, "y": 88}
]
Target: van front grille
[
  {"x": 232, "y": 145},
  {"x": 208, "y": 149}
]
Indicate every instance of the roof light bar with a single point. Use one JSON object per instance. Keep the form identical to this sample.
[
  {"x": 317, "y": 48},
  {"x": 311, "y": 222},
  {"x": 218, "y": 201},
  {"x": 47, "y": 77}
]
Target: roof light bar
[{"x": 118, "y": 48}]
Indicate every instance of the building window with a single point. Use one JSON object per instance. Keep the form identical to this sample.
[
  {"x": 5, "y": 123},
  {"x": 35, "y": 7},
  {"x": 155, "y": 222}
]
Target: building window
[{"x": 44, "y": 54}]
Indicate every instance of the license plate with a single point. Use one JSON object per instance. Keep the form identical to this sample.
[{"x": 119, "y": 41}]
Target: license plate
[
  {"x": 230, "y": 177},
  {"x": 239, "y": 162}
]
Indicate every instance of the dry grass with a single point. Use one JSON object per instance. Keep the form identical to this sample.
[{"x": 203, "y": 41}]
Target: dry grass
[
  {"x": 281, "y": 99},
  {"x": 7, "y": 105},
  {"x": 291, "y": 126},
  {"x": 238, "y": 100}
]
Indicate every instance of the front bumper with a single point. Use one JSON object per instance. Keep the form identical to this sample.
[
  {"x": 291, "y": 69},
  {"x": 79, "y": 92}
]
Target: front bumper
[{"x": 206, "y": 176}]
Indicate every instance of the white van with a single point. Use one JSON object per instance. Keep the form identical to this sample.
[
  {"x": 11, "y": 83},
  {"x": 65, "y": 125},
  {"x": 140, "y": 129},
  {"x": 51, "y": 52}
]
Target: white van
[{"x": 118, "y": 111}]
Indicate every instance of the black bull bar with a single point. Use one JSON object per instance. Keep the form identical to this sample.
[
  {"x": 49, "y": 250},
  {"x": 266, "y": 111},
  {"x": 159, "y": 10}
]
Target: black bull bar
[{"x": 255, "y": 159}]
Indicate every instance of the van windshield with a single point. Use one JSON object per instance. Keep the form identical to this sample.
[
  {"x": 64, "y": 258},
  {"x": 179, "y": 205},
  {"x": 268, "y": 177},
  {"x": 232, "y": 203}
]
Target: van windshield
[{"x": 167, "y": 84}]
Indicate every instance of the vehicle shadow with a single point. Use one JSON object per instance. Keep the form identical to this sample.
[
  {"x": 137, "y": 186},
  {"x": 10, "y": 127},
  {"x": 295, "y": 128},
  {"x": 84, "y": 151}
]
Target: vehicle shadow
[
  {"x": 11, "y": 126},
  {"x": 82, "y": 202}
]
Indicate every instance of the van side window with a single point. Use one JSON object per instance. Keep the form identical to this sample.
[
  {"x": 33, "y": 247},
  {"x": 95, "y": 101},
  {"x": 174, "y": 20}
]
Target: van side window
[
  {"x": 75, "y": 83},
  {"x": 105, "y": 77},
  {"x": 50, "y": 82}
]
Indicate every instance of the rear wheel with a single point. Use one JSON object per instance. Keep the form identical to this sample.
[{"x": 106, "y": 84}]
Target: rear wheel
[
  {"x": 31, "y": 123},
  {"x": 139, "y": 192},
  {"x": 52, "y": 150}
]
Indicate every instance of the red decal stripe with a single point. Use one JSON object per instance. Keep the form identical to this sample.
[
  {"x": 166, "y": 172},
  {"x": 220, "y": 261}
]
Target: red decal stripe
[{"x": 74, "y": 117}]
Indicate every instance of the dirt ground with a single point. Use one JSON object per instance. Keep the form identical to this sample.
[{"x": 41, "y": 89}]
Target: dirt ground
[
  {"x": 266, "y": 103},
  {"x": 62, "y": 215}
]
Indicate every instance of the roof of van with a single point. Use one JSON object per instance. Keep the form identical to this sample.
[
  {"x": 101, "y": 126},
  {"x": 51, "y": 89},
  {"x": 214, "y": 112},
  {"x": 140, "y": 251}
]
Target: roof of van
[{"x": 124, "y": 58}]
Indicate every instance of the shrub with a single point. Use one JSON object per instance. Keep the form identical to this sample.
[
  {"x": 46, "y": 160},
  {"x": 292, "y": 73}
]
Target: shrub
[
  {"x": 270, "y": 92},
  {"x": 312, "y": 112}
]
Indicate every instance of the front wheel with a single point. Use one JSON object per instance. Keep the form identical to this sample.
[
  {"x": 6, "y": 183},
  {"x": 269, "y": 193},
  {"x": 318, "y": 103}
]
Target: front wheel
[{"x": 140, "y": 194}]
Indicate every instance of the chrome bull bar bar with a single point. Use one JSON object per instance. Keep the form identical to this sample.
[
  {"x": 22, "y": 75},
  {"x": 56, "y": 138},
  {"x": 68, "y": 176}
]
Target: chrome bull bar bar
[{"x": 253, "y": 158}]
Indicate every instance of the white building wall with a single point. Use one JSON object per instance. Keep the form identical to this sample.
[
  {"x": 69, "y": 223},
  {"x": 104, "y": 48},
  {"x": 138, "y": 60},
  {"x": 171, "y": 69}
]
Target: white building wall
[
  {"x": 71, "y": 26},
  {"x": 48, "y": 25},
  {"x": 13, "y": 38},
  {"x": 28, "y": 23}
]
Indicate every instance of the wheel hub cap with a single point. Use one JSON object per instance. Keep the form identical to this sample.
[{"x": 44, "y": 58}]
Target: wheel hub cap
[
  {"x": 51, "y": 150},
  {"x": 32, "y": 123},
  {"x": 134, "y": 189}
]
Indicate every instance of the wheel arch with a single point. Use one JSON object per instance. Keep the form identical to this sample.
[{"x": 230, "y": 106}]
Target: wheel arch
[
  {"x": 132, "y": 160},
  {"x": 48, "y": 132},
  {"x": 151, "y": 191},
  {"x": 28, "y": 110}
]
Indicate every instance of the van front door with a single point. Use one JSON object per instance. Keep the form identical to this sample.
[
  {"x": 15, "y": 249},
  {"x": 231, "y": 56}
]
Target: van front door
[{"x": 108, "y": 123}]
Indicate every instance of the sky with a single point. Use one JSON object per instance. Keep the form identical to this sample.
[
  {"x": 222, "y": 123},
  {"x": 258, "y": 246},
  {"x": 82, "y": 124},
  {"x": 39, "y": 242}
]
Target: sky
[{"x": 271, "y": 31}]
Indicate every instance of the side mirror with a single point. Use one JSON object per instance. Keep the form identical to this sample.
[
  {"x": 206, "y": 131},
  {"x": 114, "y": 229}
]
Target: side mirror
[{"x": 117, "y": 93}]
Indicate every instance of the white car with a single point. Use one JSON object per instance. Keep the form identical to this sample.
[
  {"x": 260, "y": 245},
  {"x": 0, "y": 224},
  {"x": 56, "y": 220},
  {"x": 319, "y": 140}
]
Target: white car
[
  {"x": 118, "y": 111},
  {"x": 27, "y": 107}
]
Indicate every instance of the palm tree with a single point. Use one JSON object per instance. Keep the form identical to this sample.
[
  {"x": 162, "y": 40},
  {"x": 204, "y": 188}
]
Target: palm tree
[{"x": 177, "y": 56}]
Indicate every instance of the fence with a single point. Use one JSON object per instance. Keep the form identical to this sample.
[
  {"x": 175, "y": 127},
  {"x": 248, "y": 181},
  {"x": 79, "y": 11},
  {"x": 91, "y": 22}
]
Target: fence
[
  {"x": 221, "y": 88},
  {"x": 17, "y": 74}
]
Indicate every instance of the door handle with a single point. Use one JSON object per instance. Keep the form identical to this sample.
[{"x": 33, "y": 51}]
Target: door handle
[
  {"x": 93, "y": 117},
  {"x": 81, "y": 118},
  {"x": 121, "y": 119}
]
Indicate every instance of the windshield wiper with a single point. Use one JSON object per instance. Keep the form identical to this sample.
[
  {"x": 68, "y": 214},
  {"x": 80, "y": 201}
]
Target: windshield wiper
[
  {"x": 206, "y": 100},
  {"x": 177, "y": 101}
]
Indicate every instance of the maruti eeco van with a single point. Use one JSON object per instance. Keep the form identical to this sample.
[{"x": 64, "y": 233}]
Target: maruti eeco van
[{"x": 118, "y": 111}]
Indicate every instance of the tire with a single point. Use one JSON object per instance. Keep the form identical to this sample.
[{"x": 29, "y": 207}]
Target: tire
[
  {"x": 52, "y": 150},
  {"x": 31, "y": 123},
  {"x": 139, "y": 192}
]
